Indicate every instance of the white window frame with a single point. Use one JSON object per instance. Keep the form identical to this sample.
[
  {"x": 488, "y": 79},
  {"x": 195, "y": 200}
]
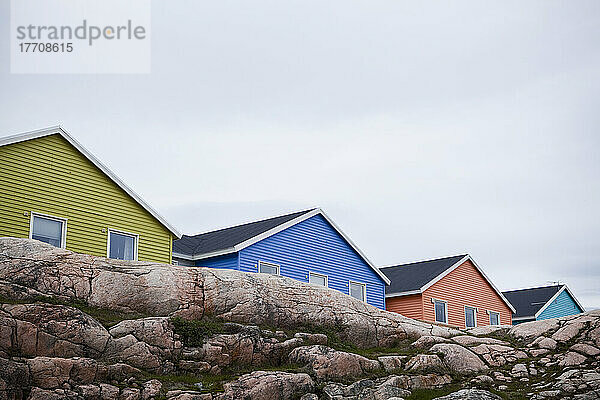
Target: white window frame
[
  {"x": 433, "y": 301},
  {"x": 136, "y": 243},
  {"x": 320, "y": 275},
  {"x": 474, "y": 316},
  {"x": 270, "y": 265},
  {"x": 364, "y": 285},
  {"x": 63, "y": 233},
  {"x": 490, "y": 312}
]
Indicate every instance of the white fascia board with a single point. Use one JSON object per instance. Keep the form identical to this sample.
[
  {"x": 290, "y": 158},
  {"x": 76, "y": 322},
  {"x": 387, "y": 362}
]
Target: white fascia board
[
  {"x": 214, "y": 254},
  {"x": 250, "y": 241},
  {"x": 459, "y": 263},
  {"x": 364, "y": 257},
  {"x": 61, "y": 131},
  {"x": 21, "y": 137},
  {"x": 574, "y": 298},
  {"x": 408, "y": 293},
  {"x": 492, "y": 285},
  {"x": 532, "y": 318},
  {"x": 443, "y": 274},
  {"x": 275, "y": 230},
  {"x": 541, "y": 310},
  {"x": 182, "y": 256},
  {"x": 204, "y": 255}
]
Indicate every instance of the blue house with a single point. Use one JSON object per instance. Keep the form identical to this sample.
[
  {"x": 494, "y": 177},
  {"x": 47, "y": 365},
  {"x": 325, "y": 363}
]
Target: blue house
[
  {"x": 545, "y": 302},
  {"x": 306, "y": 245}
]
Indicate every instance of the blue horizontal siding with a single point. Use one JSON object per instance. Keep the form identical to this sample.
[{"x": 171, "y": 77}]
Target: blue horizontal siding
[
  {"x": 562, "y": 306},
  {"x": 229, "y": 261},
  {"x": 314, "y": 245}
]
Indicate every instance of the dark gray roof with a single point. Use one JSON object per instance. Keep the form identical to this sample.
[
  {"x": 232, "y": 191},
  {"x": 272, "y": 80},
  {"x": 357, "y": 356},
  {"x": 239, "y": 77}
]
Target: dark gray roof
[
  {"x": 228, "y": 237},
  {"x": 414, "y": 276},
  {"x": 528, "y": 302}
]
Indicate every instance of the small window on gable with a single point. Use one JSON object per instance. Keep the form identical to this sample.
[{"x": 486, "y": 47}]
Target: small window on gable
[
  {"x": 268, "y": 268},
  {"x": 51, "y": 230},
  {"x": 494, "y": 318},
  {"x": 470, "y": 317},
  {"x": 358, "y": 291},
  {"x": 317, "y": 279},
  {"x": 122, "y": 246},
  {"x": 440, "y": 311}
]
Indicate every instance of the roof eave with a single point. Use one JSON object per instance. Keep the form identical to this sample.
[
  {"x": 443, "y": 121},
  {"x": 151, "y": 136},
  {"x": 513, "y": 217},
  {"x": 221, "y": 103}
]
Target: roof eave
[
  {"x": 406, "y": 293},
  {"x": 467, "y": 257},
  {"x": 279, "y": 228},
  {"x": 203, "y": 256},
  {"x": 529, "y": 317}
]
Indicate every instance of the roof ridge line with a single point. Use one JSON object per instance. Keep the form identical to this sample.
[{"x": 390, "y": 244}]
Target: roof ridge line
[
  {"x": 426, "y": 260},
  {"x": 534, "y": 287},
  {"x": 251, "y": 222}
]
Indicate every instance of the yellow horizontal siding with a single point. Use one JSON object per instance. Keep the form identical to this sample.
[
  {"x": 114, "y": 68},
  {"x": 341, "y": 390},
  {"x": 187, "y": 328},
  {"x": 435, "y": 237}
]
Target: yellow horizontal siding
[{"x": 49, "y": 176}]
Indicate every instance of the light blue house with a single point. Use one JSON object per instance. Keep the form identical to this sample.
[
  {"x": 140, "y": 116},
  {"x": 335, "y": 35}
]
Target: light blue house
[
  {"x": 545, "y": 302},
  {"x": 306, "y": 245}
]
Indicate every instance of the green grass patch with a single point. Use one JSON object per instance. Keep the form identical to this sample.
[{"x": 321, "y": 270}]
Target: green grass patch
[
  {"x": 194, "y": 332},
  {"x": 428, "y": 394},
  {"x": 105, "y": 316},
  {"x": 402, "y": 348}
]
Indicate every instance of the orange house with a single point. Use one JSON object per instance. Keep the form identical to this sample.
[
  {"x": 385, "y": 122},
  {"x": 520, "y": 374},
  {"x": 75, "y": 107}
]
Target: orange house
[{"x": 451, "y": 291}]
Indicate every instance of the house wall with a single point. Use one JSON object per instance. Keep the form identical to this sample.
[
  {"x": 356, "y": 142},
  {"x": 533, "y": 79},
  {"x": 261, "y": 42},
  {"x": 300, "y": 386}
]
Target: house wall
[
  {"x": 48, "y": 175},
  {"x": 229, "y": 261},
  {"x": 410, "y": 306},
  {"x": 465, "y": 286},
  {"x": 562, "y": 306},
  {"x": 314, "y": 245}
]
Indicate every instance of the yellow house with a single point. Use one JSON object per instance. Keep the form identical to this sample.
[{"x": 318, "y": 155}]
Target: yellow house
[{"x": 52, "y": 189}]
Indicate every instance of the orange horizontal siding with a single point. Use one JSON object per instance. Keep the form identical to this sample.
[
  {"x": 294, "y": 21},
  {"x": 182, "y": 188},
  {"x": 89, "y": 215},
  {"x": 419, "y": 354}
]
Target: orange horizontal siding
[
  {"x": 410, "y": 306},
  {"x": 465, "y": 286}
]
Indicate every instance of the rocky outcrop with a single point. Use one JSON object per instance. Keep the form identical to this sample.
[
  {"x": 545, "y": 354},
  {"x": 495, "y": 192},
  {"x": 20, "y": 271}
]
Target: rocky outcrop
[
  {"x": 387, "y": 388},
  {"x": 243, "y": 346},
  {"x": 497, "y": 355},
  {"x": 471, "y": 394},
  {"x": 458, "y": 358},
  {"x": 165, "y": 290},
  {"x": 50, "y": 330},
  {"x": 268, "y": 385},
  {"x": 327, "y": 363},
  {"x": 422, "y": 362},
  {"x": 50, "y": 350},
  {"x": 391, "y": 363}
]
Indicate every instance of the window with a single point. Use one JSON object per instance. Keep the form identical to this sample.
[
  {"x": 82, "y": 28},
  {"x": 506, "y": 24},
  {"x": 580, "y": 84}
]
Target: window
[
  {"x": 358, "y": 291},
  {"x": 441, "y": 314},
  {"x": 122, "y": 245},
  {"x": 494, "y": 318},
  {"x": 48, "y": 229},
  {"x": 317, "y": 279},
  {"x": 470, "y": 317},
  {"x": 268, "y": 268}
]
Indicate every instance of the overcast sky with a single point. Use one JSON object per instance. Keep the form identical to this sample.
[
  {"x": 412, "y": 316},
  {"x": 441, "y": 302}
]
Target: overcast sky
[{"x": 424, "y": 129}]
